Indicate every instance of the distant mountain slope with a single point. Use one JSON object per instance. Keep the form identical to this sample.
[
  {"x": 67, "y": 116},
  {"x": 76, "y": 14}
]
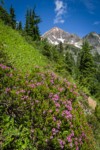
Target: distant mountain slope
[
  {"x": 21, "y": 54},
  {"x": 57, "y": 35},
  {"x": 94, "y": 39}
]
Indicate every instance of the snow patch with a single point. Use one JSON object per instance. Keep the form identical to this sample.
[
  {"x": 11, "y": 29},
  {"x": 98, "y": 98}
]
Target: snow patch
[
  {"x": 54, "y": 37},
  {"x": 77, "y": 45},
  {"x": 55, "y": 28},
  {"x": 72, "y": 42},
  {"x": 55, "y": 43},
  {"x": 61, "y": 39}
]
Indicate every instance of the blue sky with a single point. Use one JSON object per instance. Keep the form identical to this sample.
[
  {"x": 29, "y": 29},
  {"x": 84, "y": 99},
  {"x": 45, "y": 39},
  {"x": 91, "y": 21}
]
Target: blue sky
[{"x": 74, "y": 16}]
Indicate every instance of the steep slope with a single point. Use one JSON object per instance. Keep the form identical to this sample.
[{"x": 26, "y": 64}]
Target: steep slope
[
  {"x": 21, "y": 54},
  {"x": 39, "y": 110},
  {"x": 57, "y": 35},
  {"x": 94, "y": 39}
]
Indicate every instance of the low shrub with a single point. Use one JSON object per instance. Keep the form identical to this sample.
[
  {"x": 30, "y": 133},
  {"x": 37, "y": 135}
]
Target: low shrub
[{"x": 40, "y": 111}]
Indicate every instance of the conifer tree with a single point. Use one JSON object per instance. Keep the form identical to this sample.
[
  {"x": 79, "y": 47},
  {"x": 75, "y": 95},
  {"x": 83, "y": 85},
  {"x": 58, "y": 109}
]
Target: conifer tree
[
  {"x": 86, "y": 66},
  {"x": 60, "y": 47},
  {"x": 1, "y": 2},
  {"x": 27, "y": 22},
  {"x": 31, "y": 25},
  {"x": 13, "y": 17},
  {"x": 5, "y": 16},
  {"x": 19, "y": 26},
  {"x": 70, "y": 63}
]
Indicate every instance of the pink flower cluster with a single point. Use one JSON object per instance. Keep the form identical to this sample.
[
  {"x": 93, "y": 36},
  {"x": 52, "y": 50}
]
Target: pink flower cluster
[
  {"x": 34, "y": 85},
  {"x": 61, "y": 143},
  {"x": 25, "y": 97},
  {"x": 55, "y": 97},
  {"x": 7, "y": 90},
  {"x": 20, "y": 91},
  {"x": 67, "y": 114},
  {"x": 54, "y": 131},
  {"x": 69, "y": 138},
  {"x": 69, "y": 105},
  {"x": 58, "y": 124},
  {"x": 4, "y": 67}
]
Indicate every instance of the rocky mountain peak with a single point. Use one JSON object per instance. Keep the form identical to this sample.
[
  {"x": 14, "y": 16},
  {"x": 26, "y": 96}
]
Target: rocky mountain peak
[{"x": 57, "y": 35}]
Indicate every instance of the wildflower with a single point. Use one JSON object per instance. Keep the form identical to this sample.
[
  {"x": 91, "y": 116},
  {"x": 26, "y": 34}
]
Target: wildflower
[
  {"x": 72, "y": 134},
  {"x": 54, "y": 131},
  {"x": 54, "y": 118},
  {"x": 71, "y": 145},
  {"x": 50, "y": 110},
  {"x": 61, "y": 143},
  {"x": 69, "y": 139},
  {"x": 24, "y": 97},
  {"x": 37, "y": 101},
  {"x": 17, "y": 92},
  {"x": 60, "y": 89},
  {"x": 38, "y": 83},
  {"x": 57, "y": 105},
  {"x": 57, "y": 110},
  {"x": 51, "y": 137},
  {"x": 7, "y": 90},
  {"x": 46, "y": 140},
  {"x": 55, "y": 97},
  {"x": 50, "y": 95},
  {"x": 44, "y": 112},
  {"x": 32, "y": 85},
  {"x": 76, "y": 143},
  {"x": 52, "y": 81},
  {"x": 77, "y": 148},
  {"x": 22, "y": 91},
  {"x": 4, "y": 67},
  {"x": 58, "y": 124}
]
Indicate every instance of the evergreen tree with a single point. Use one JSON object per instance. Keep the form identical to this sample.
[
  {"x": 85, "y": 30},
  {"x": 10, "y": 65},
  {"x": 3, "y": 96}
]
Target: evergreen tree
[
  {"x": 5, "y": 16},
  {"x": 31, "y": 25},
  {"x": 19, "y": 26},
  {"x": 27, "y": 22},
  {"x": 86, "y": 66},
  {"x": 1, "y": 2},
  {"x": 70, "y": 63},
  {"x": 13, "y": 17},
  {"x": 60, "y": 47}
]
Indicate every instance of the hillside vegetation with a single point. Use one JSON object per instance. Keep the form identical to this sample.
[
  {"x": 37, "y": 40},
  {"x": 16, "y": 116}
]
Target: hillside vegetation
[
  {"x": 21, "y": 54},
  {"x": 39, "y": 110},
  {"x": 42, "y": 109}
]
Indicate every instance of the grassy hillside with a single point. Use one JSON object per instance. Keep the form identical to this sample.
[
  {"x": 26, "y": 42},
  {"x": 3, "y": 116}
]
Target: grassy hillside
[
  {"x": 40, "y": 110},
  {"x": 21, "y": 54}
]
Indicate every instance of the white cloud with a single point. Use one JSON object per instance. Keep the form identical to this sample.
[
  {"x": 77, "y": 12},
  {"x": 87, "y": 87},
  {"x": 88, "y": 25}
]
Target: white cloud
[
  {"x": 60, "y": 10},
  {"x": 96, "y": 23},
  {"x": 89, "y": 4}
]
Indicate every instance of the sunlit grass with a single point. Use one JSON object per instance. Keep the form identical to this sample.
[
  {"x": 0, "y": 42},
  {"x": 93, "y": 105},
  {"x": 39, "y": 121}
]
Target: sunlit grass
[{"x": 22, "y": 55}]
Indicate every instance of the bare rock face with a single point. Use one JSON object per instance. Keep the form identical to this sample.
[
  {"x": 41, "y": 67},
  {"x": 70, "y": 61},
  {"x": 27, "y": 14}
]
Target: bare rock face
[
  {"x": 94, "y": 40},
  {"x": 57, "y": 35}
]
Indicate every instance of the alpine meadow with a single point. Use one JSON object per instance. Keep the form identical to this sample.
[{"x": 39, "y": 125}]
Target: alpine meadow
[{"x": 49, "y": 84}]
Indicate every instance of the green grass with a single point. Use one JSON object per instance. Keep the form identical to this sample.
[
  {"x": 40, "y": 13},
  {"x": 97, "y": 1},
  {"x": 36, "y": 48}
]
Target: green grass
[{"x": 21, "y": 54}]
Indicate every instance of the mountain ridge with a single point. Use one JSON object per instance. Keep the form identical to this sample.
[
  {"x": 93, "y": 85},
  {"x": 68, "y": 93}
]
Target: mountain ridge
[{"x": 56, "y": 35}]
